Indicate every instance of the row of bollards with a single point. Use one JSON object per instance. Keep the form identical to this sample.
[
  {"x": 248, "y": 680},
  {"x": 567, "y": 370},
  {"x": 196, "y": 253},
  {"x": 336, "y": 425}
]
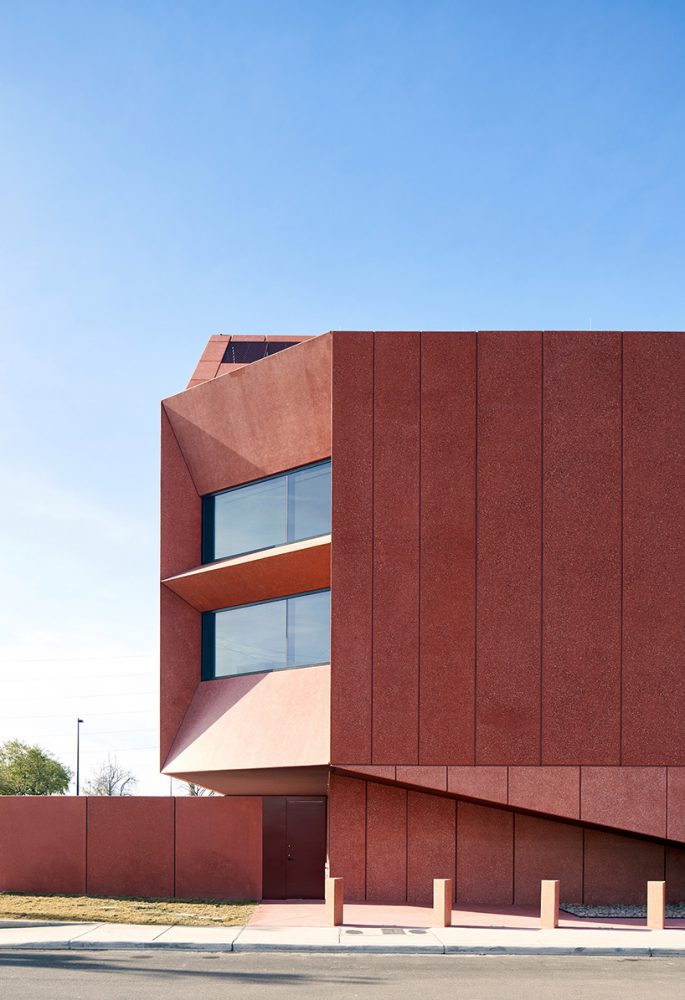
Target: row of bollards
[{"x": 549, "y": 903}]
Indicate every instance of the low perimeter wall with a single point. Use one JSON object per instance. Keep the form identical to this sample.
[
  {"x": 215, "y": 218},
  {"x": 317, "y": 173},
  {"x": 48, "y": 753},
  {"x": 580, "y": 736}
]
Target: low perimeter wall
[{"x": 189, "y": 848}]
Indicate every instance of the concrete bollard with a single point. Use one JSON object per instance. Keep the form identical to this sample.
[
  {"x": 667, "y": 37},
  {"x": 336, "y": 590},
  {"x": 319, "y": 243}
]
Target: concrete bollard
[
  {"x": 656, "y": 905},
  {"x": 549, "y": 903},
  {"x": 335, "y": 895},
  {"x": 442, "y": 902}
]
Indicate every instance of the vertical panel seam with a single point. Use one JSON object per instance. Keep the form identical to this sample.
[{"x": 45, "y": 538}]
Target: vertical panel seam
[
  {"x": 475, "y": 560},
  {"x": 620, "y": 669},
  {"x": 406, "y": 845},
  {"x": 666, "y": 813},
  {"x": 582, "y": 877},
  {"x": 542, "y": 524},
  {"x": 418, "y": 617},
  {"x": 580, "y": 792},
  {"x": 456, "y": 849},
  {"x": 513, "y": 858},
  {"x": 366, "y": 840},
  {"x": 85, "y": 858},
  {"x": 173, "y": 800},
  {"x": 373, "y": 534}
]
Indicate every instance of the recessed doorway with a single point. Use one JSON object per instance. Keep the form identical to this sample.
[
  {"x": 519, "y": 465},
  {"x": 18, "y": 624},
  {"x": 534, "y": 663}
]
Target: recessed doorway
[{"x": 294, "y": 847}]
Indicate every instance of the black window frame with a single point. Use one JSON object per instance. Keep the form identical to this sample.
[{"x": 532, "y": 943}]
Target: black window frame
[
  {"x": 208, "y": 522},
  {"x": 208, "y": 641}
]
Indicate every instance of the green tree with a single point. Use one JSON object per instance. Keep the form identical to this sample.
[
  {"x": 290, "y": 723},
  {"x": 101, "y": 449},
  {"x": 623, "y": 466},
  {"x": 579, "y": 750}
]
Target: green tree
[{"x": 28, "y": 770}]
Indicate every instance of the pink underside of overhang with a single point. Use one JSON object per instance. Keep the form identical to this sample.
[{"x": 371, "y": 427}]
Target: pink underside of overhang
[
  {"x": 255, "y": 722},
  {"x": 263, "y": 781}
]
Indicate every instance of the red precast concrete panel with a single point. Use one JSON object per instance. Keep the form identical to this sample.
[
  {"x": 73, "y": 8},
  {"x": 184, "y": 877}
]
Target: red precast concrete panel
[
  {"x": 396, "y": 549},
  {"x": 654, "y": 548},
  {"x": 508, "y": 540},
  {"x": 386, "y": 844},
  {"x": 264, "y": 418},
  {"x": 676, "y": 804},
  {"x": 384, "y": 772},
  {"x": 181, "y": 508},
  {"x": 675, "y": 874},
  {"x": 554, "y": 790},
  {"x": 352, "y": 558},
  {"x": 347, "y": 834},
  {"x": 488, "y": 783},
  {"x": 547, "y": 850},
  {"x": 204, "y": 370},
  {"x": 581, "y": 651},
  {"x": 179, "y": 653},
  {"x": 447, "y": 560},
  {"x": 42, "y": 844},
  {"x": 431, "y": 833},
  {"x": 485, "y": 855},
  {"x": 130, "y": 846},
  {"x": 617, "y": 869},
  {"x": 425, "y": 776},
  {"x": 219, "y": 848},
  {"x": 631, "y": 798},
  {"x": 215, "y": 349}
]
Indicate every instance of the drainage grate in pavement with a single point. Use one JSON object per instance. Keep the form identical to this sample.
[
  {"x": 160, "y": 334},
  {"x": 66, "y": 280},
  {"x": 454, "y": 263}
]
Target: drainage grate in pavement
[{"x": 392, "y": 930}]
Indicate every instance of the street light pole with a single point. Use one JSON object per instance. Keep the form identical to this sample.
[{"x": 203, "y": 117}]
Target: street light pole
[{"x": 78, "y": 755}]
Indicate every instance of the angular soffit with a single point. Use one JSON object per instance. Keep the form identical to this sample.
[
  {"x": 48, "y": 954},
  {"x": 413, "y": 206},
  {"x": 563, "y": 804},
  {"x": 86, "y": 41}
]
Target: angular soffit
[{"x": 273, "y": 720}]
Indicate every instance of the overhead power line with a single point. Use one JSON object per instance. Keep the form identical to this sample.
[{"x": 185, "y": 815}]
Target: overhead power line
[{"x": 85, "y": 659}]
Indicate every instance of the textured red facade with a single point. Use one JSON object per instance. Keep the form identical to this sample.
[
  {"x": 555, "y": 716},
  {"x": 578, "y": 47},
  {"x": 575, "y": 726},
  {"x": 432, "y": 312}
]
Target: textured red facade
[
  {"x": 507, "y": 682},
  {"x": 523, "y": 492}
]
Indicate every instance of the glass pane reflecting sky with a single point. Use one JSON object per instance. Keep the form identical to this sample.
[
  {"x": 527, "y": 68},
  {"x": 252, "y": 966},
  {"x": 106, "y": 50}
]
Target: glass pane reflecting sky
[
  {"x": 309, "y": 629},
  {"x": 273, "y": 635},
  {"x": 253, "y": 517},
  {"x": 309, "y": 502},
  {"x": 251, "y": 639},
  {"x": 271, "y": 512}
]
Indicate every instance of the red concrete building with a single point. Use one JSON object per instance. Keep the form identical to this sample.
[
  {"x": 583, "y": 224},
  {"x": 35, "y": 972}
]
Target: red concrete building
[{"x": 500, "y": 694}]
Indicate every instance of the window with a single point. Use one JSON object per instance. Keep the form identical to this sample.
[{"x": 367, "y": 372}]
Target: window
[
  {"x": 284, "y": 508},
  {"x": 245, "y": 352},
  {"x": 271, "y": 635}
]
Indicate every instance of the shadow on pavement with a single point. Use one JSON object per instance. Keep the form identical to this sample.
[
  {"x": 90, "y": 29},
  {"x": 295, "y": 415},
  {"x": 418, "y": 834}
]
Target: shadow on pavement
[{"x": 59, "y": 961}]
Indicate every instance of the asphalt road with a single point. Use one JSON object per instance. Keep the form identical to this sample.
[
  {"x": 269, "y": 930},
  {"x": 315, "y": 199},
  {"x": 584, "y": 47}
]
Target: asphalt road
[{"x": 179, "y": 976}]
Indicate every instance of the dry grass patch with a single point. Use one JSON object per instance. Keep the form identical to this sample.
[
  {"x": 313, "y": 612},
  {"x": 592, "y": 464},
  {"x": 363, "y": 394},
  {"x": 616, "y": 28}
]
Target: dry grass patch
[{"x": 125, "y": 910}]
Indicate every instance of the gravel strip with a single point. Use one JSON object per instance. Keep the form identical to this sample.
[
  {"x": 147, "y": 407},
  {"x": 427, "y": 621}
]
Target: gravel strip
[{"x": 619, "y": 910}]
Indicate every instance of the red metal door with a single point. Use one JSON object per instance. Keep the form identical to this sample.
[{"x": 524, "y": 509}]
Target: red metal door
[
  {"x": 306, "y": 846},
  {"x": 294, "y": 848}
]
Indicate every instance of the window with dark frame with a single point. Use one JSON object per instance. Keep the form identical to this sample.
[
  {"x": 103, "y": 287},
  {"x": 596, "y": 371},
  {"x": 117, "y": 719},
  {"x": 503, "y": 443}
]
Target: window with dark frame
[
  {"x": 288, "y": 507},
  {"x": 271, "y": 635}
]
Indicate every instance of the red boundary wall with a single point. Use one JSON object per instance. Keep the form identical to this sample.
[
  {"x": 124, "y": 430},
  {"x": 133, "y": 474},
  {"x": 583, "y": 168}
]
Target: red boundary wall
[
  {"x": 389, "y": 843},
  {"x": 209, "y": 848}
]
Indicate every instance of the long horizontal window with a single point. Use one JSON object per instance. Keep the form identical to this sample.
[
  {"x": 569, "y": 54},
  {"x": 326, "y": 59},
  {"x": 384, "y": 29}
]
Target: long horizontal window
[
  {"x": 272, "y": 635},
  {"x": 284, "y": 508}
]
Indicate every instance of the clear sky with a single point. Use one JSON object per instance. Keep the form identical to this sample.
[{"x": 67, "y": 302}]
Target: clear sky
[{"x": 170, "y": 170}]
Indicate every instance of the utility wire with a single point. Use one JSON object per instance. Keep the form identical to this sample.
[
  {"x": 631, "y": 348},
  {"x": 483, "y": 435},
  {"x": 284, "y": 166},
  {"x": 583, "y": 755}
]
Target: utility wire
[{"x": 74, "y": 659}]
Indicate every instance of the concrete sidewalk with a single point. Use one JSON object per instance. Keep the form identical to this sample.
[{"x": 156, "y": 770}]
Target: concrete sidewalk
[{"x": 571, "y": 939}]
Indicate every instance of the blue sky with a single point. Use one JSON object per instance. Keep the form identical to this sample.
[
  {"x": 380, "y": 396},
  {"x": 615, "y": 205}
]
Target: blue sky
[{"x": 171, "y": 170}]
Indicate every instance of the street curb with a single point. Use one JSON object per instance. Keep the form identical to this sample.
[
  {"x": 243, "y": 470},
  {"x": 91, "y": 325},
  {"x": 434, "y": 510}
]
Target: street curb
[{"x": 345, "y": 949}]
